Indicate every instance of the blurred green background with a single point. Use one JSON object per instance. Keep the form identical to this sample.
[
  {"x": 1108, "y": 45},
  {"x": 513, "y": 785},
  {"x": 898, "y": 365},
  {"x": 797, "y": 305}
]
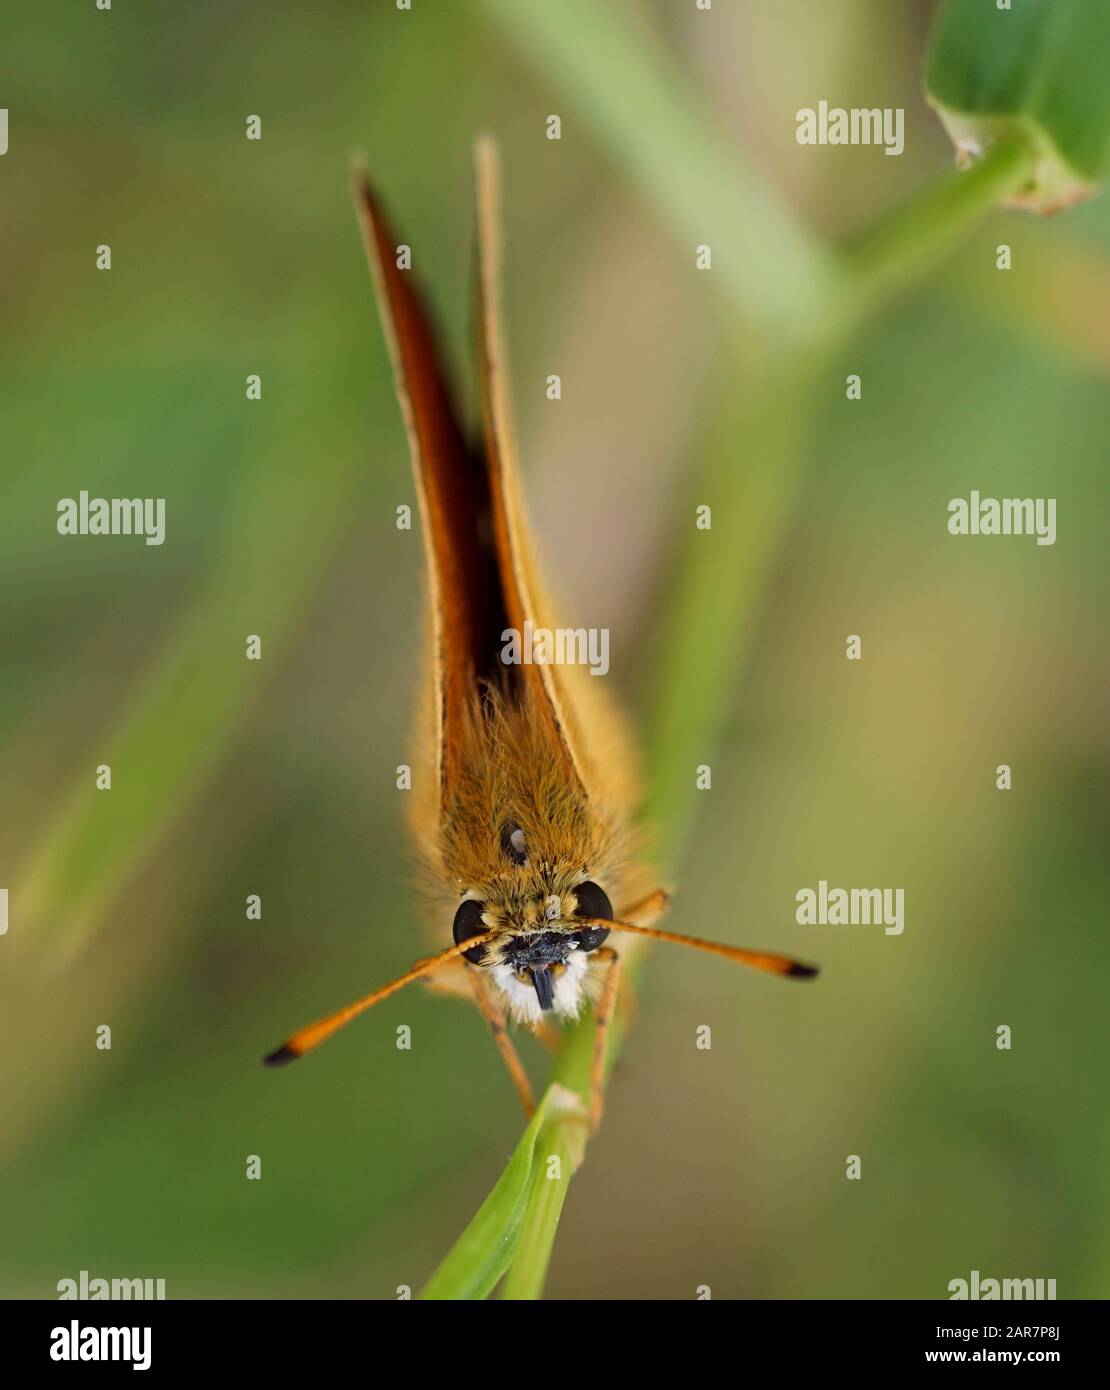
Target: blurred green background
[{"x": 231, "y": 257}]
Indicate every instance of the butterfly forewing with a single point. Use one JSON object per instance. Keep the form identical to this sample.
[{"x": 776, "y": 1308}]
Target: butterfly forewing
[{"x": 452, "y": 486}]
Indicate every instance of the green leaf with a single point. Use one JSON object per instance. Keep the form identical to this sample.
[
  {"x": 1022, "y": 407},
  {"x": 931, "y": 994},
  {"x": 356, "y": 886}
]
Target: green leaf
[
  {"x": 563, "y": 1138},
  {"x": 485, "y": 1249},
  {"x": 1041, "y": 69}
]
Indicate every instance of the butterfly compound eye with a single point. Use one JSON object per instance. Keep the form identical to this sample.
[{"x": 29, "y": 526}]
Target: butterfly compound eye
[
  {"x": 468, "y": 922},
  {"x": 591, "y": 901}
]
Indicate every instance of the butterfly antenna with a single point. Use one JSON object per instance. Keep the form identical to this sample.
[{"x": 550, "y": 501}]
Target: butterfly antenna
[
  {"x": 315, "y": 1033},
  {"x": 756, "y": 960}
]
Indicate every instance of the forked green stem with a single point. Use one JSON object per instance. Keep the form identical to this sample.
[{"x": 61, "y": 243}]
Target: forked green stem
[{"x": 719, "y": 589}]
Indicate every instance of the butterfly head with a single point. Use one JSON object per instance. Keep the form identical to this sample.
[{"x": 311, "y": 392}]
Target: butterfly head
[{"x": 539, "y": 958}]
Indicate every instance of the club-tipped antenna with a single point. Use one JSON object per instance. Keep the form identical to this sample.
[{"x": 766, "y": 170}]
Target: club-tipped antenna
[{"x": 305, "y": 1039}]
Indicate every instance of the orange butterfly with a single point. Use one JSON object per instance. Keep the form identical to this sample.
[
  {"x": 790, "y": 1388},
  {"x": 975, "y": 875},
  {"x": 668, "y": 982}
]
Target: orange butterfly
[{"x": 523, "y": 786}]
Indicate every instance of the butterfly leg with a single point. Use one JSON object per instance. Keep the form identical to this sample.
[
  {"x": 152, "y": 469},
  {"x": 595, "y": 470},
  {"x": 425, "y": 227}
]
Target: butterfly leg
[
  {"x": 604, "y": 1016},
  {"x": 647, "y": 912},
  {"x": 495, "y": 1018},
  {"x": 643, "y": 914}
]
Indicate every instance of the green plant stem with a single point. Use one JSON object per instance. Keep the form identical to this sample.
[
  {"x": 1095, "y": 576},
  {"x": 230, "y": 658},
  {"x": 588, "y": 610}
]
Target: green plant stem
[{"x": 902, "y": 245}]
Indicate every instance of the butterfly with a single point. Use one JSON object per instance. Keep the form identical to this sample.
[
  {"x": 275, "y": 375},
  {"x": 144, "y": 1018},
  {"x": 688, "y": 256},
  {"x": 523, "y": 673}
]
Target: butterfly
[{"x": 524, "y": 788}]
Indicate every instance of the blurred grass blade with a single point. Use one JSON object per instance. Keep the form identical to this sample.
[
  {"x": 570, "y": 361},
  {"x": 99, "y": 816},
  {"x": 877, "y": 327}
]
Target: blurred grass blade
[
  {"x": 1041, "y": 69},
  {"x": 651, "y": 119},
  {"x": 188, "y": 705},
  {"x": 485, "y": 1249},
  {"x": 719, "y": 591}
]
